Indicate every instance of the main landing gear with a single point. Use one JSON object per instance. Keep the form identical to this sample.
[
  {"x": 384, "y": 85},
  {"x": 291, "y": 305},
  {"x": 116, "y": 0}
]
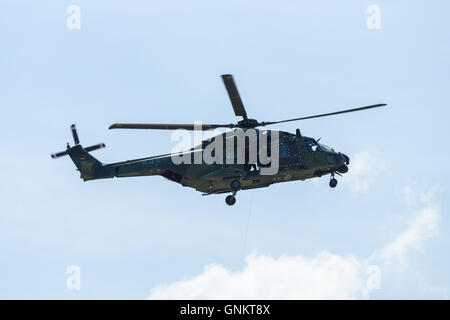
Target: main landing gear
[
  {"x": 230, "y": 200},
  {"x": 333, "y": 181},
  {"x": 235, "y": 186}
]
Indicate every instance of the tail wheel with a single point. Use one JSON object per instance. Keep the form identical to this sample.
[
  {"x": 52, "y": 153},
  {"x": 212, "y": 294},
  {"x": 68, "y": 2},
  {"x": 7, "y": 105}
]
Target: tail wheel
[{"x": 230, "y": 200}]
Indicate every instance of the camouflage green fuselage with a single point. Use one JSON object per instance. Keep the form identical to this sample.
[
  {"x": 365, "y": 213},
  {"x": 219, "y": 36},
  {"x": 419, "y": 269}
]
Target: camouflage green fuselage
[{"x": 298, "y": 160}]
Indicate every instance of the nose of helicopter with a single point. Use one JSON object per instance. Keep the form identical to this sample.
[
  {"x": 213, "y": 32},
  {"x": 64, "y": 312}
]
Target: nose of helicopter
[
  {"x": 342, "y": 164},
  {"x": 339, "y": 160},
  {"x": 345, "y": 158}
]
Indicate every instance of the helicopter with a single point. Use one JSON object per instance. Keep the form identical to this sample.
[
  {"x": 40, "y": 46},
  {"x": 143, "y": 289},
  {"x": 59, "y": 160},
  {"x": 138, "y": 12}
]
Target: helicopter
[{"x": 298, "y": 157}]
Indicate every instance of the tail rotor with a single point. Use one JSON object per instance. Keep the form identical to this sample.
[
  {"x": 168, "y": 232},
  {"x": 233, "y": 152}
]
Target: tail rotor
[
  {"x": 76, "y": 140},
  {"x": 75, "y": 134},
  {"x": 95, "y": 147}
]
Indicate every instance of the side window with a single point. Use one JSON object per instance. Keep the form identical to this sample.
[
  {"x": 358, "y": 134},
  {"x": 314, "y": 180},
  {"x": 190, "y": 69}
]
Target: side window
[
  {"x": 308, "y": 144},
  {"x": 284, "y": 149}
]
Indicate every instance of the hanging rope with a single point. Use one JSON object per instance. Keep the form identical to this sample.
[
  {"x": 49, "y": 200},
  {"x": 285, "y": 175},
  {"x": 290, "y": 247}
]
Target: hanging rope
[{"x": 246, "y": 229}]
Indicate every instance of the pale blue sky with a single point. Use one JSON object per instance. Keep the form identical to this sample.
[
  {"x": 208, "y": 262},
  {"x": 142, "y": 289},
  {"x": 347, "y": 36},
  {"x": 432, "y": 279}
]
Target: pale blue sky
[{"x": 144, "y": 61}]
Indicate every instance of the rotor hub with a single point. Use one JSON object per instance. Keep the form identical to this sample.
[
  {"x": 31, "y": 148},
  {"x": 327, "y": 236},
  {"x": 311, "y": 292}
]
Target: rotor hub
[{"x": 248, "y": 124}]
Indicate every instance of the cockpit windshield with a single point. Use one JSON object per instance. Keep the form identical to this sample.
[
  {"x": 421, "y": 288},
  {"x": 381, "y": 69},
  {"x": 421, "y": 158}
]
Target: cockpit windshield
[
  {"x": 325, "y": 147},
  {"x": 313, "y": 145}
]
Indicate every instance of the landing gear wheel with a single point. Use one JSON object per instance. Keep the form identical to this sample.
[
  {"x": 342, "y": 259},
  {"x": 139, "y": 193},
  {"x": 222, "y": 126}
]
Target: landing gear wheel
[
  {"x": 230, "y": 200},
  {"x": 235, "y": 185},
  {"x": 333, "y": 183}
]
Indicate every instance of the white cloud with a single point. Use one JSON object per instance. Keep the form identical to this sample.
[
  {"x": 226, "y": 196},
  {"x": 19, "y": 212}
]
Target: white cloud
[
  {"x": 324, "y": 276},
  {"x": 413, "y": 197},
  {"x": 408, "y": 194},
  {"x": 365, "y": 166},
  {"x": 423, "y": 226},
  {"x": 430, "y": 195}
]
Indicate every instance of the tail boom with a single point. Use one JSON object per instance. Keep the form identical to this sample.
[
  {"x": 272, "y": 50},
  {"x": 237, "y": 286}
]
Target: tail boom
[{"x": 90, "y": 168}]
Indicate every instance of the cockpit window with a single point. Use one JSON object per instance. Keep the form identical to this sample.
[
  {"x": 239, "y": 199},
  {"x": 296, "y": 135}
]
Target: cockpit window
[
  {"x": 325, "y": 147},
  {"x": 312, "y": 145}
]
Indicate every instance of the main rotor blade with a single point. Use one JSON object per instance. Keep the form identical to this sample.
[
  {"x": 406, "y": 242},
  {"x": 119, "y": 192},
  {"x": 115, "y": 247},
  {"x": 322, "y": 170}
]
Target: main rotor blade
[
  {"x": 159, "y": 126},
  {"x": 265, "y": 123},
  {"x": 235, "y": 98}
]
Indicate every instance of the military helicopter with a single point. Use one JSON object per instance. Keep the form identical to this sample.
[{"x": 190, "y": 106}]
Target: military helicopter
[{"x": 299, "y": 157}]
